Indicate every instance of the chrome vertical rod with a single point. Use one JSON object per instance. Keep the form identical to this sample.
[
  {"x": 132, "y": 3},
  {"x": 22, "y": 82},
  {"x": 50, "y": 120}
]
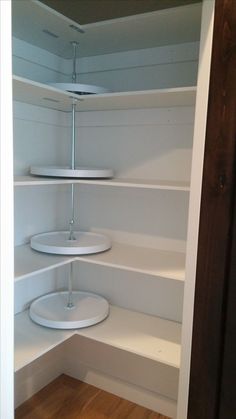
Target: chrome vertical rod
[
  {"x": 73, "y": 136},
  {"x": 72, "y": 219},
  {"x": 74, "y": 44},
  {"x": 70, "y": 303}
]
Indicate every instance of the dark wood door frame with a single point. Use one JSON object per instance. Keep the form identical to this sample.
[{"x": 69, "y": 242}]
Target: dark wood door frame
[{"x": 212, "y": 391}]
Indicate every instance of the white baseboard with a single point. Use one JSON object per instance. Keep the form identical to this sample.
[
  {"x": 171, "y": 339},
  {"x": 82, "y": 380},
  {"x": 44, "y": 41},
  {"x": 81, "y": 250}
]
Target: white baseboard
[
  {"x": 125, "y": 390},
  {"x": 99, "y": 366}
]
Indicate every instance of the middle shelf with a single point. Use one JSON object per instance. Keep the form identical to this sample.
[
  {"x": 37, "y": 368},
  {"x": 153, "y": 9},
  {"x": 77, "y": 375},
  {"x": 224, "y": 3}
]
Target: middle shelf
[
  {"x": 154, "y": 262},
  {"x": 118, "y": 182},
  {"x": 39, "y": 94}
]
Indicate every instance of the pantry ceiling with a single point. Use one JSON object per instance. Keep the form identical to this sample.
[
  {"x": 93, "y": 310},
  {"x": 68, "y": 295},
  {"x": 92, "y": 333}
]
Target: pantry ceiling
[{"x": 90, "y": 11}]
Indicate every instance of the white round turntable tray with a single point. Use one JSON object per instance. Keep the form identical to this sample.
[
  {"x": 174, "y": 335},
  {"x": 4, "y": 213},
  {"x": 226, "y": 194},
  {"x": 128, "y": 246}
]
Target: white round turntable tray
[
  {"x": 78, "y": 172},
  {"x": 80, "y": 89},
  {"x": 51, "y": 310},
  {"x": 57, "y": 242}
]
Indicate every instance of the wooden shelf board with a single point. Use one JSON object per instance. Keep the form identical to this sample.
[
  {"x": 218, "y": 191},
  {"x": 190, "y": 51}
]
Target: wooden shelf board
[
  {"x": 155, "y": 98},
  {"x": 147, "y": 336},
  {"x": 33, "y": 341},
  {"x": 39, "y": 94},
  {"x": 164, "y": 264},
  {"x": 28, "y": 262},
  {"x": 118, "y": 182}
]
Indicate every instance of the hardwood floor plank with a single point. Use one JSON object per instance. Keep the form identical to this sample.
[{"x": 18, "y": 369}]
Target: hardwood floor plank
[{"x": 67, "y": 398}]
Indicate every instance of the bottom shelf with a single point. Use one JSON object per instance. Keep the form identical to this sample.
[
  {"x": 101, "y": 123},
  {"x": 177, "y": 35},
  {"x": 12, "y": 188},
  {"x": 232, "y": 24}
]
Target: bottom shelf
[{"x": 147, "y": 336}]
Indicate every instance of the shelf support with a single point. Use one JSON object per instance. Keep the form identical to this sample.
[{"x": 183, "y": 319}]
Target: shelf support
[
  {"x": 74, "y": 45},
  {"x": 73, "y": 135},
  {"x": 70, "y": 304},
  {"x": 72, "y": 220}
]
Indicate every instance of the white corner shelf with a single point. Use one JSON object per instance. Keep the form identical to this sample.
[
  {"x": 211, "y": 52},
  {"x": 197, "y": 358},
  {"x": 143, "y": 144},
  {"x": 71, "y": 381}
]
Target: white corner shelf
[
  {"x": 28, "y": 262},
  {"x": 40, "y": 94},
  {"x": 158, "y": 263},
  {"x": 154, "y": 262},
  {"x": 33, "y": 341},
  {"x": 155, "y": 98},
  {"x": 141, "y": 334},
  {"x": 118, "y": 182}
]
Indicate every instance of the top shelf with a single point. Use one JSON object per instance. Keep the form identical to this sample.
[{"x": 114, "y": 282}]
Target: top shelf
[
  {"x": 39, "y": 94},
  {"x": 52, "y": 31}
]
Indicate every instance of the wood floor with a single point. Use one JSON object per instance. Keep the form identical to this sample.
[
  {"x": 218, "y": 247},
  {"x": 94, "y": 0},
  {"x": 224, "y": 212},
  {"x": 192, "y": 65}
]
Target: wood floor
[{"x": 67, "y": 398}]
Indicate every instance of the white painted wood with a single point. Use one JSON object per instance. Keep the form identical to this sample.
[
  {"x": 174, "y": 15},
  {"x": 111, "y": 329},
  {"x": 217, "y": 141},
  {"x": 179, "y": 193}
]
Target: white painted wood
[
  {"x": 153, "y": 262},
  {"x": 179, "y": 96},
  {"x": 143, "y": 335},
  {"x": 40, "y": 17},
  {"x": 35, "y": 63},
  {"x": 38, "y": 374},
  {"x": 132, "y": 59},
  {"x": 164, "y": 117},
  {"x": 6, "y": 216},
  {"x": 145, "y": 77},
  {"x": 147, "y": 336},
  {"x": 161, "y": 138},
  {"x": 41, "y": 210},
  {"x": 37, "y": 129},
  {"x": 153, "y": 295},
  {"x": 132, "y": 32},
  {"x": 160, "y": 67},
  {"x": 39, "y": 58},
  {"x": 124, "y": 365},
  {"x": 39, "y": 94},
  {"x": 28, "y": 91},
  {"x": 34, "y": 286},
  {"x": 28, "y": 262},
  {"x": 172, "y": 158},
  {"x": 33, "y": 341},
  {"x": 142, "y": 218},
  {"x": 146, "y": 137},
  {"x": 64, "y": 359},
  {"x": 125, "y": 183},
  {"x": 195, "y": 199}
]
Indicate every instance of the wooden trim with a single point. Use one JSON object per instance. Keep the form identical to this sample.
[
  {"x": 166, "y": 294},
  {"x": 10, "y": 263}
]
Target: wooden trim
[
  {"x": 216, "y": 221},
  {"x": 227, "y": 399}
]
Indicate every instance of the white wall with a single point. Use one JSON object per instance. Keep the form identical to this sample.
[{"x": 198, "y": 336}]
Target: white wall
[
  {"x": 35, "y": 63},
  {"x": 168, "y": 66}
]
